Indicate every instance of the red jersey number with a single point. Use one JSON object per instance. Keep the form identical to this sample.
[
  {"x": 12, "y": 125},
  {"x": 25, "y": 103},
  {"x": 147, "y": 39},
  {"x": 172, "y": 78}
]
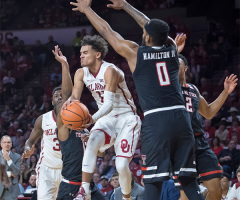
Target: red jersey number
[{"x": 57, "y": 145}]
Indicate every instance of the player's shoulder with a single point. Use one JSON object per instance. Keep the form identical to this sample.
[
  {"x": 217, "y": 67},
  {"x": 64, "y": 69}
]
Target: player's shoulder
[{"x": 192, "y": 86}]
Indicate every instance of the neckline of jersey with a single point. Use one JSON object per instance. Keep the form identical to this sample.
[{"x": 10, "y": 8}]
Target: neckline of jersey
[{"x": 95, "y": 75}]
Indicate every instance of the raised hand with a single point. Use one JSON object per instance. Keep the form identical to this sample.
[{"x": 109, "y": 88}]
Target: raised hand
[
  {"x": 59, "y": 56},
  {"x": 28, "y": 152},
  {"x": 116, "y": 4},
  {"x": 180, "y": 41},
  {"x": 81, "y": 5},
  {"x": 230, "y": 83}
]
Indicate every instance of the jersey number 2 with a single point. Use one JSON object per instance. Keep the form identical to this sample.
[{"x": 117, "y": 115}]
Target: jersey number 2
[
  {"x": 162, "y": 72},
  {"x": 189, "y": 104}
]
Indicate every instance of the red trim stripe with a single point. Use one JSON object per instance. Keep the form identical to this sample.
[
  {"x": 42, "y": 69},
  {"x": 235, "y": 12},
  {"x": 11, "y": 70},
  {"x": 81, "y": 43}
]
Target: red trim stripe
[
  {"x": 75, "y": 183},
  {"x": 133, "y": 135},
  {"x": 107, "y": 136},
  {"x": 124, "y": 156},
  {"x": 212, "y": 172},
  {"x": 53, "y": 116},
  {"x": 143, "y": 168},
  {"x": 95, "y": 75},
  {"x": 126, "y": 98}
]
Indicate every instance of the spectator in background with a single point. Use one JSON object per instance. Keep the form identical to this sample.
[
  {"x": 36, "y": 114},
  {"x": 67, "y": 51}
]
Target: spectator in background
[
  {"x": 96, "y": 180},
  {"x": 209, "y": 130},
  {"x": 110, "y": 169},
  {"x": 16, "y": 139},
  {"x": 20, "y": 147},
  {"x": 6, "y": 113},
  {"x": 9, "y": 83},
  {"x": 15, "y": 104},
  {"x": 39, "y": 51},
  {"x": 115, "y": 184},
  {"x": 77, "y": 42},
  {"x": 234, "y": 193},
  {"x": 233, "y": 115},
  {"x": 222, "y": 132},
  {"x": 225, "y": 186},
  {"x": 32, "y": 184},
  {"x": 30, "y": 104},
  {"x": 105, "y": 185},
  {"x": 12, "y": 161},
  {"x": 236, "y": 139},
  {"x": 12, "y": 130},
  {"x": 23, "y": 178},
  {"x": 169, "y": 191},
  {"x": 136, "y": 191},
  {"x": 229, "y": 158},
  {"x": 215, "y": 146},
  {"x": 57, "y": 73},
  {"x": 51, "y": 43},
  {"x": 234, "y": 128},
  {"x": 28, "y": 132},
  {"x": 33, "y": 162}
]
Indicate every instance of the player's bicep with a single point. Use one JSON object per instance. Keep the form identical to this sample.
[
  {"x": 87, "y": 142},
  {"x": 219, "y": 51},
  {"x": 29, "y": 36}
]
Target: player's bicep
[
  {"x": 111, "y": 78},
  {"x": 37, "y": 131},
  {"x": 78, "y": 84}
]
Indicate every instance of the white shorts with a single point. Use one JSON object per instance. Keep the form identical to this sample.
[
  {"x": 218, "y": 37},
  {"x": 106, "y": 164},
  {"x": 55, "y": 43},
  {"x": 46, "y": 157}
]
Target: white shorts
[
  {"x": 122, "y": 131},
  {"x": 48, "y": 181}
]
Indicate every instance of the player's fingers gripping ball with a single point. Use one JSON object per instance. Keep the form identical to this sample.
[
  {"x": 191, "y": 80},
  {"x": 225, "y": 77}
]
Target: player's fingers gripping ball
[{"x": 75, "y": 115}]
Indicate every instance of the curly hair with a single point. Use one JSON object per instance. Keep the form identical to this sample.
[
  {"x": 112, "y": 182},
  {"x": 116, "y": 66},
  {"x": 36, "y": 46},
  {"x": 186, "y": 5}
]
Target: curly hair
[{"x": 97, "y": 43}]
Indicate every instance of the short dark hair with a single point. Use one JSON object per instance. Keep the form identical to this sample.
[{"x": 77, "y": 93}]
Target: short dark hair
[
  {"x": 97, "y": 43},
  {"x": 226, "y": 175},
  {"x": 56, "y": 89},
  {"x": 114, "y": 175},
  {"x": 184, "y": 59},
  {"x": 238, "y": 170},
  {"x": 158, "y": 30}
]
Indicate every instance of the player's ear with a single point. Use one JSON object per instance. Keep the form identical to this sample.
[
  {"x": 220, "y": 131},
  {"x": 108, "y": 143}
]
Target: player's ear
[
  {"x": 147, "y": 38},
  {"x": 98, "y": 55}
]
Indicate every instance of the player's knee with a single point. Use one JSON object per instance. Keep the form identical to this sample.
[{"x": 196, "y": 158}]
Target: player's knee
[
  {"x": 95, "y": 140},
  {"x": 122, "y": 165}
]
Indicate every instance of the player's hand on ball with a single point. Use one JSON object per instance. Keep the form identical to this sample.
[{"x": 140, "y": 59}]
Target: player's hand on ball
[
  {"x": 68, "y": 103},
  {"x": 117, "y": 4},
  {"x": 28, "y": 152},
  {"x": 90, "y": 122},
  {"x": 81, "y": 5}
]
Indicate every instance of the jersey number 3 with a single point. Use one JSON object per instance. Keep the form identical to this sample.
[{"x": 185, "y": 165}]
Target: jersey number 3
[
  {"x": 162, "y": 72},
  {"x": 57, "y": 145}
]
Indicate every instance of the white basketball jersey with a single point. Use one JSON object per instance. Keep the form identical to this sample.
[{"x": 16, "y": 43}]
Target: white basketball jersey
[
  {"x": 123, "y": 102},
  {"x": 50, "y": 155}
]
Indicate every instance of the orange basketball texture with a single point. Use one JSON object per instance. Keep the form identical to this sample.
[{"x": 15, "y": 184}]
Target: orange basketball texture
[{"x": 75, "y": 115}]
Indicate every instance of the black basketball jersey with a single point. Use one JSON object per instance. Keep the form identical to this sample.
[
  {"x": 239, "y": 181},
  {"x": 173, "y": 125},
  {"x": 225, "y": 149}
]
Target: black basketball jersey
[
  {"x": 72, "y": 155},
  {"x": 156, "y": 77},
  {"x": 191, "y": 97}
]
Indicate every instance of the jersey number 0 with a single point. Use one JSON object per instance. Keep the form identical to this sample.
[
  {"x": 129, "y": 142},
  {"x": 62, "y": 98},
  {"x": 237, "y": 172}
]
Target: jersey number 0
[{"x": 162, "y": 72}]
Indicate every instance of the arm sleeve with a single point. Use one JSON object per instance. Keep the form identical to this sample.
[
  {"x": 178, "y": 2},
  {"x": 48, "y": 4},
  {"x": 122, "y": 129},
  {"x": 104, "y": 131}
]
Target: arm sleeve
[{"x": 106, "y": 107}]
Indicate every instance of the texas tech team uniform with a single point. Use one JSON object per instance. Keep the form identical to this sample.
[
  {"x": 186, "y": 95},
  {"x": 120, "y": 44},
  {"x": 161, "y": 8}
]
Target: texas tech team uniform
[
  {"x": 72, "y": 155},
  {"x": 50, "y": 162},
  {"x": 121, "y": 126},
  {"x": 206, "y": 160},
  {"x": 167, "y": 136}
]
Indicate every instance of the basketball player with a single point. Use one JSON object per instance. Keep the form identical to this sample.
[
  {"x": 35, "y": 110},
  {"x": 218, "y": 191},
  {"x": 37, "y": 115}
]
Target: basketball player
[
  {"x": 70, "y": 142},
  {"x": 167, "y": 136},
  {"x": 116, "y": 119},
  {"x": 208, "y": 167},
  {"x": 50, "y": 162}
]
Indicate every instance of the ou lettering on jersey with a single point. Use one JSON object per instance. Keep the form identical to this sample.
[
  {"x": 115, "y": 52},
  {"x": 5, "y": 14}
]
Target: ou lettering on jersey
[{"x": 50, "y": 155}]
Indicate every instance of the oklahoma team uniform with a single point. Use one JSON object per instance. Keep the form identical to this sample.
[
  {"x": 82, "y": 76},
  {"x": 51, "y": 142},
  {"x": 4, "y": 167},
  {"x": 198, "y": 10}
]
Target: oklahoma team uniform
[
  {"x": 50, "y": 162},
  {"x": 122, "y": 125},
  {"x": 167, "y": 136},
  {"x": 206, "y": 160},
  {"x": 72, "y": 154}
]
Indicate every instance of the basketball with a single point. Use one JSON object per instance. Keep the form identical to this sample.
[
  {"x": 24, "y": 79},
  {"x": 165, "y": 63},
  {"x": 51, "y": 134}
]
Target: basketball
[{"x": 75, "y": 115}]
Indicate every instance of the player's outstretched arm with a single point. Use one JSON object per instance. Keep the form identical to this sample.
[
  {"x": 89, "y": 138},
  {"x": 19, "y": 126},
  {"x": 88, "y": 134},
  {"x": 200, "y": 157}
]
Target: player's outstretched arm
[
  {"x": 125, "y": 48},
  {"x": 33, "y": 138},
  {"x": 138, "y": 16},
  {"x": 209, "y": 110},
  {"x": 66, "y": 78}
]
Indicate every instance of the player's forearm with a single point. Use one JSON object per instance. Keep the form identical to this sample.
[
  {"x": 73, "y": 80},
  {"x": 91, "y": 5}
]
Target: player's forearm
[
  {"x": 28, "y": 144},
  {"x": 100, "y": 25},
  {"x": 214, "y": 107},
  {"x": 138, "y": 16},
  {"x": 66, "y": 82}
]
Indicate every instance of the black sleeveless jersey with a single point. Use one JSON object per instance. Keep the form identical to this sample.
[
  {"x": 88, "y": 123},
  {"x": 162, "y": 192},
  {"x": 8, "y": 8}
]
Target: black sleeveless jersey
[
  {"x": 72, "y": 156},
  {"x": 191, "y": 97},
  {"x": 156, "y": 77}
]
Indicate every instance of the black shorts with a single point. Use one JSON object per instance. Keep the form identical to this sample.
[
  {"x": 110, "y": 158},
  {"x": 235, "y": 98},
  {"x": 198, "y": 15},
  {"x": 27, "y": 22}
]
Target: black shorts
[
  {"x": 68, "y": 192},
  {"x": 208, "y": 166},
  {"x": 167, "y": 145}
]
